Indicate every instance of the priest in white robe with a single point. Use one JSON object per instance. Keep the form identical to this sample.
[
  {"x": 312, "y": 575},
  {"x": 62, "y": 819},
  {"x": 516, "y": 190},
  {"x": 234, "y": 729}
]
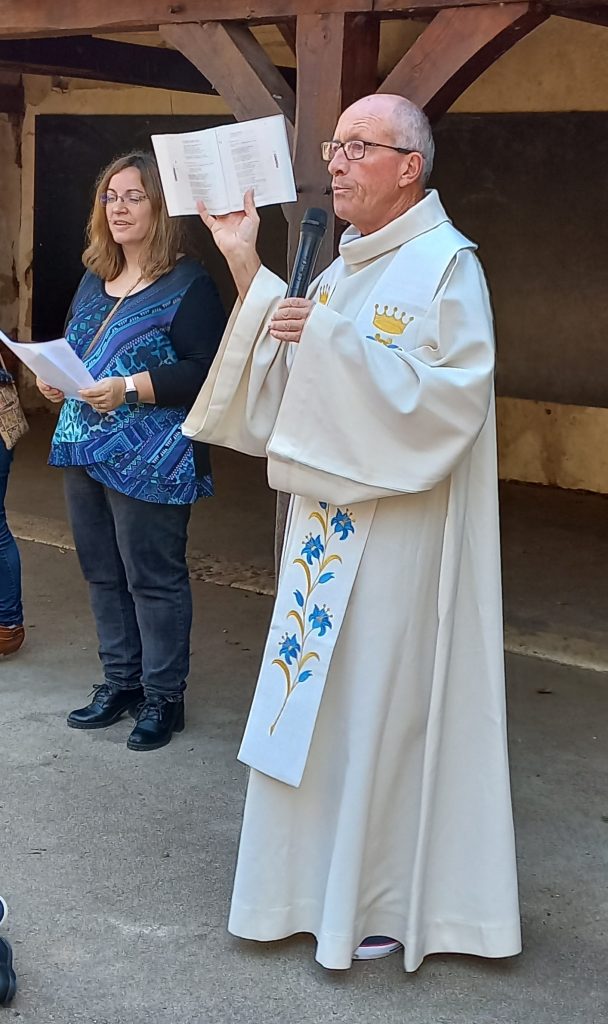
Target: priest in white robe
[{"x": 378, "y": 813}]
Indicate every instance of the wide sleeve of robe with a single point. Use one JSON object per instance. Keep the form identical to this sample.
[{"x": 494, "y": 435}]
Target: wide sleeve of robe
[
  {"x": 240, "y": 399},
  {"x": 351, "y": 419}
]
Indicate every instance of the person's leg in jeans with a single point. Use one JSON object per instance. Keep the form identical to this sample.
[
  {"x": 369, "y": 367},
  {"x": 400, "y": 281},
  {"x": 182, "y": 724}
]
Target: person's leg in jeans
[
  {"x": 11, "y": 611},
  {"x": 152, "y": 541},
  {"x": 8, "y": 981},
  {"x": 111, "y": 603}
]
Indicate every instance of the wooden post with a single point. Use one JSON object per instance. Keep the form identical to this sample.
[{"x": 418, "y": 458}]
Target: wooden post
[
  {"x": 319, "y": 52},
  {"x": 361, "y": 51},
  {"x": 337, "y": 62}
]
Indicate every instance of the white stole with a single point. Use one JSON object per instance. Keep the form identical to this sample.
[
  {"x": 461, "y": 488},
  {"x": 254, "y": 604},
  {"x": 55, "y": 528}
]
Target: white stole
[{"x": 321, "y": 558}]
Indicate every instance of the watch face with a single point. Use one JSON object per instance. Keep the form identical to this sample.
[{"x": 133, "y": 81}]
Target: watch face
[{"x": 131, "y": 397}]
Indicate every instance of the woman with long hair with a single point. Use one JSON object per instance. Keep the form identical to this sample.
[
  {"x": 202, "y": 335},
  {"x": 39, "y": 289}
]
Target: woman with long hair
[{"x": 147, "y": 324}]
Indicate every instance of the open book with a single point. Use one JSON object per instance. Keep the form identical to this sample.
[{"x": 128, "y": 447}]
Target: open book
[{"x": 218, "y": 165}]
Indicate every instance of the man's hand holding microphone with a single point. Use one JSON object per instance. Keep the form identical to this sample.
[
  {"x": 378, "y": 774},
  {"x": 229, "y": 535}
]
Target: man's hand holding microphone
[{"x": 235, "y": 235}]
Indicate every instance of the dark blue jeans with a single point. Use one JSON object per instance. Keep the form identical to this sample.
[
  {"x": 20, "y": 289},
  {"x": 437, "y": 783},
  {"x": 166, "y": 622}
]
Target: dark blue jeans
[
  {"x": 133, "y": 556},
  {"x": 11, "y": 612}
]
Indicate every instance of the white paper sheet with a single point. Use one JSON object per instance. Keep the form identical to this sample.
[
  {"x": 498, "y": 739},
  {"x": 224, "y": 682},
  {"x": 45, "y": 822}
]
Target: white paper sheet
[{"x": 55, "y": 362}]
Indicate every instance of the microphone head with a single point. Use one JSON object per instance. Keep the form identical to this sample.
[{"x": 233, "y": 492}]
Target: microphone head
[{"x": 315, "y": 220}]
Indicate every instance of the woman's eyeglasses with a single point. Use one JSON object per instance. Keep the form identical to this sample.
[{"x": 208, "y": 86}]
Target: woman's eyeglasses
[{"x": 131, "y": 198}]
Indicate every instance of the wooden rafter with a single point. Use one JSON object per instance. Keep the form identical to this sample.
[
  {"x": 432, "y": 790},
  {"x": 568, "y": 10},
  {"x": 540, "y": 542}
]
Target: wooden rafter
[
  {"x": 239, "y": 68},
  {"x": 455, "y": 48},
  {"x": 594, "y": 15},
  {"x": 24, "y": 18}
]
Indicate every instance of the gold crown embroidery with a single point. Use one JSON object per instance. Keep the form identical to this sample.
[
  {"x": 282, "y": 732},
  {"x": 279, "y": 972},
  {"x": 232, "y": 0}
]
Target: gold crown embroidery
[
  {"x": 391, "y": 323},
  {"x": 324, "y": 294}
]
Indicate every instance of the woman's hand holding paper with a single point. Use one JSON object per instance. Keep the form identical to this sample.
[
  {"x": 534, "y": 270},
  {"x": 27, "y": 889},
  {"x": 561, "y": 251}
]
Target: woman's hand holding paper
[
  {"x": 52, "y": 394},
  {"x": 106, "y": 395}
]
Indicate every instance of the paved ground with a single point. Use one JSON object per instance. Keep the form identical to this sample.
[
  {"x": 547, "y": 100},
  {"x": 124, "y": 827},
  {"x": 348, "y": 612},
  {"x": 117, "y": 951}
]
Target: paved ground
[{"x": 118, "y": 866}]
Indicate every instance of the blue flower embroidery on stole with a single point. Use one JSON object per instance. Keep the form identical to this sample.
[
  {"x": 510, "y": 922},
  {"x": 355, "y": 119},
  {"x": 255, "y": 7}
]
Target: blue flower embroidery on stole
[{"x": 296, "y": 650}]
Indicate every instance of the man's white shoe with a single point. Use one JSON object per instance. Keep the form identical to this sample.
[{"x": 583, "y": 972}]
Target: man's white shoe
[{"x": 375, "y": 947}]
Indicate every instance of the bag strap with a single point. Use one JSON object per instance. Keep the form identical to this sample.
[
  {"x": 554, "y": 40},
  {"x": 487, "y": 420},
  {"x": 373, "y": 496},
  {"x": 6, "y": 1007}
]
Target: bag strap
[
  {"x": 113, "y": 310},
  {"x": 11, "y": 379}
]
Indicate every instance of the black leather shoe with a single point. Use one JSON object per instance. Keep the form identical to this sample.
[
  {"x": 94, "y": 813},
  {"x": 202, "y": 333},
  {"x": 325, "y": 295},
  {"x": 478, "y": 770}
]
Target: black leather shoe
[
  {"x": 157, "y": 720},
  {"x": 108, "y": 705},
  {"x": 8, "y": 981}
]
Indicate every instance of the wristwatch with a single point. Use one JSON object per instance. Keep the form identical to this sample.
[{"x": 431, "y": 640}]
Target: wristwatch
[{"x": 131, "y": 392}]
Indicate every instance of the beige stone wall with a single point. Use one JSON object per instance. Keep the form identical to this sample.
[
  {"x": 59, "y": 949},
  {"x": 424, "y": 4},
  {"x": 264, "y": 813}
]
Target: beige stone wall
[
  {"x": 560, "y": 66},
  {"x": 561, "y": 445}
]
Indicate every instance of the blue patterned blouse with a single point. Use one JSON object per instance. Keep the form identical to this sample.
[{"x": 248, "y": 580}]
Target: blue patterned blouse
[{"x": 172, "y": 328}]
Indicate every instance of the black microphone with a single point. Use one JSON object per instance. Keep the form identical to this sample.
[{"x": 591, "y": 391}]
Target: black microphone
[{"x": 312, "y": 229}]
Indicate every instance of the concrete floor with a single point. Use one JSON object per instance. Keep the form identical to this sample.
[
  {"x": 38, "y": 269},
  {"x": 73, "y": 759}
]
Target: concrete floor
[{"x": 118, "y": 866}]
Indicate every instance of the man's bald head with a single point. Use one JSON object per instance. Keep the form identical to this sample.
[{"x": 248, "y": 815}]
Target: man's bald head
[
  {"x": 388, "y": 176},
  {"x": 408, "y": 124}
]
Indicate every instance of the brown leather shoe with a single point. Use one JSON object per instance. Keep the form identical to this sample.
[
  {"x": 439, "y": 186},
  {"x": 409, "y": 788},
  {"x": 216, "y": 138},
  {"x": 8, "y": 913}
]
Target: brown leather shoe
[{"x": 11, "y": 638}]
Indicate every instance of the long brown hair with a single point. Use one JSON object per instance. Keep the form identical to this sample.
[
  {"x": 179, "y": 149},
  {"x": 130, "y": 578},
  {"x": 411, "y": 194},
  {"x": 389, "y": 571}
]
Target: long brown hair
[{"x": 103, "y": 255}]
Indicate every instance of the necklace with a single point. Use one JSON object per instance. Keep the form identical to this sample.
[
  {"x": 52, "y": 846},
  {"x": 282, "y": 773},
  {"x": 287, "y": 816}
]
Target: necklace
[{"x": 114, "y": 309}]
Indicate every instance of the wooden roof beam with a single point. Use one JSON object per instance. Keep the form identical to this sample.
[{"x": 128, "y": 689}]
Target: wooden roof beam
[
  {"x": 31, "y": 18},
  {"x": 101, "y": 60},
  {"x": 594, "y": 15},
  {"x": 455, "y": 48},
  {"x": 404, "y": 8},
  {"x": 28, "y": 18}
]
